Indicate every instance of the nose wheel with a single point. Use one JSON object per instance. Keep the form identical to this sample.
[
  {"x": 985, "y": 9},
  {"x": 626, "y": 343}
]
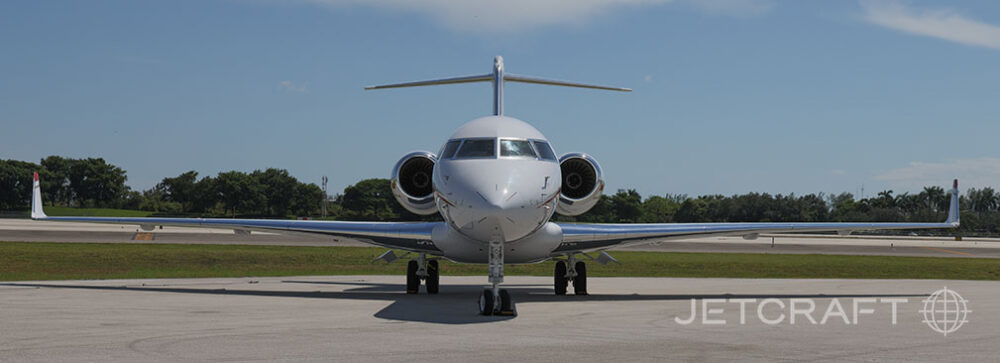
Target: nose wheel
[
  {"x": 570, "y": 271},
  {"x": 500, "y": 303}
]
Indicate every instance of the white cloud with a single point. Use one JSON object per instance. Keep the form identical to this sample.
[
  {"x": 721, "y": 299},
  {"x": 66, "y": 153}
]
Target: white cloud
[
  {"x": 517, "y": 15},
  {"x": 292, "y": 87},
  {"x": 942, "y": 23},
  {"x": 971, "y": 173}
]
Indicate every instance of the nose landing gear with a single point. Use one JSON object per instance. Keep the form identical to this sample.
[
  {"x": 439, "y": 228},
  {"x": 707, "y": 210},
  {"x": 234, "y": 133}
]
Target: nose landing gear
[
  {"x": 494, "y": 300},
  {"x": 570, "y": 270}
]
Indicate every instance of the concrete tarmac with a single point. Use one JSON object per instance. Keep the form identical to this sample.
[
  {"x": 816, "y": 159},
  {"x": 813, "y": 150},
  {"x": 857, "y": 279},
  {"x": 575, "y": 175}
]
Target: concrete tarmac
[
  {"x": 33, "y": 231},
  {"x": 369, "y": 318}
]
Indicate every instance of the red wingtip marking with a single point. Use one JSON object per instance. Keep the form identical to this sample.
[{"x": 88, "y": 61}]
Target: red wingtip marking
[
  {"x": 956, "y": 183},
  {"x": 36, "y": 176}
]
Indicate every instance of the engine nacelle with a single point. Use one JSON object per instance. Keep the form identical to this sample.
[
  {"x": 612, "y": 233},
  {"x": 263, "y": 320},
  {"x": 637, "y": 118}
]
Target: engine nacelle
[
  {"x": 582, "y": 184},
  {"x": 412, "y": 182}
]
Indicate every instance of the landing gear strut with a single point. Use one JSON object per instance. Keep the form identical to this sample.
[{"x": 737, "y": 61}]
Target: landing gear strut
[
  {"x": 422, "y": 269},
  {"x": 495, "y": 300},
  {"x": 570, "y": 270}
]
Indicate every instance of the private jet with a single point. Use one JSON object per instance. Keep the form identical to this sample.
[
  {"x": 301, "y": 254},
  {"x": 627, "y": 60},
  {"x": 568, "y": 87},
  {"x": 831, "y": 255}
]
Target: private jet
[{"x": 496, "y": 182}]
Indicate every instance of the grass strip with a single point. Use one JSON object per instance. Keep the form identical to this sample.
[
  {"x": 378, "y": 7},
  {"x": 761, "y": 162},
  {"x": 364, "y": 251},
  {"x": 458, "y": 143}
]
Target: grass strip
[{"x": 21, "y": 261}]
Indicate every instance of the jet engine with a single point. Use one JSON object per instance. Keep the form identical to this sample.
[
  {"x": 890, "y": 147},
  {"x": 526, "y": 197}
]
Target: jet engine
[
  {"x": 412, "y": 183},
  {"x": 582, "y": 184}
]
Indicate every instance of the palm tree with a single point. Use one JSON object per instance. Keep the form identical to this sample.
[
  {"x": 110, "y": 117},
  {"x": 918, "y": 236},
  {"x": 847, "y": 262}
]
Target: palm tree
[{"x": 934, "y": 197}]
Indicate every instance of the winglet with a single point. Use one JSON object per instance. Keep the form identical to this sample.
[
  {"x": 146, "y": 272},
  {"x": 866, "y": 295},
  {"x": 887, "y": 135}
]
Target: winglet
[
  {"x": 953, "y": 212},
  {"x": 36, "y": 200}
]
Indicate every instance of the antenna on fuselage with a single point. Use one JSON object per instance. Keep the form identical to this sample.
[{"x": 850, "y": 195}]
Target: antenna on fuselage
[{"x": 498, "y": 77}]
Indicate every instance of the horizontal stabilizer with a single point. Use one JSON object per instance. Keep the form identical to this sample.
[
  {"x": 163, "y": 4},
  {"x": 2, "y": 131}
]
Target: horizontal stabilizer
[
  {"x": 455, "y": 80},
  {"x": 498, "y": 78},
  {"x": 553, "y": 82},
  {"x": 489, "y": 78}
]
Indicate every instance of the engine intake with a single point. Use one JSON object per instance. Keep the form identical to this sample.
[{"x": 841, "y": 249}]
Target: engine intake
[
  {"x": 582, "y": 184},
  {"x": 412, "y": 182}
]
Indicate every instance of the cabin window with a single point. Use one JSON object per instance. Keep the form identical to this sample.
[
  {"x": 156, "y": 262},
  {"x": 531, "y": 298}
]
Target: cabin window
[
  {"x": 477, "y": 148},
  {"x": 544, "y": 150},
  {"x": 516, "y": 148}
]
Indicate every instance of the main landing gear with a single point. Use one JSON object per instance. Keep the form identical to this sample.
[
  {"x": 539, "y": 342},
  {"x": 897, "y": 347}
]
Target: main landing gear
[
  {"x": 494, "y": 300},
  {"x": 576, "y": 272},
  {"x": 422, "y": 269}
]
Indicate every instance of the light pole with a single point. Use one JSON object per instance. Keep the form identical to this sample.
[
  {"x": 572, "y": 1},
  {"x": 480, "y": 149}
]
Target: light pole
[{"x": 325, "y": 197}]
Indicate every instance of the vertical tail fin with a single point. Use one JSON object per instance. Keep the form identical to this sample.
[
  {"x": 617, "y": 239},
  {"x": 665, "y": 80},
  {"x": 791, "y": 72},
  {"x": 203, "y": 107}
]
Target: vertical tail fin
[
  {"x": 36, "y": 200},
  {"x": 953, "y": 211}
]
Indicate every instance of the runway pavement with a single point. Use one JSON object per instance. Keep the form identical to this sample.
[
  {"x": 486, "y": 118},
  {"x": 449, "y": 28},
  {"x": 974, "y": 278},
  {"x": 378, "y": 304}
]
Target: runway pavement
[
  {"x": 368, "y": 318},
  {"x": 34, "y": 231}
]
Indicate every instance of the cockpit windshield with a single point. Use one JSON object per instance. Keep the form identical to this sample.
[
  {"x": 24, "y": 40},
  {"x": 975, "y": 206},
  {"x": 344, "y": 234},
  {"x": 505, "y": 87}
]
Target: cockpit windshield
[
  {"x": 449, "y": 148},
  {"x": 487, "y": 148},
  {"x": 516, "y": 148},
  {"x": 477, "y": 148},
  {"x": 544, "y": 150}
]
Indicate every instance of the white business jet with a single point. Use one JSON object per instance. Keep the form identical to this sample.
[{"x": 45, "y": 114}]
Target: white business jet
[{"x": 496, "y": 182}]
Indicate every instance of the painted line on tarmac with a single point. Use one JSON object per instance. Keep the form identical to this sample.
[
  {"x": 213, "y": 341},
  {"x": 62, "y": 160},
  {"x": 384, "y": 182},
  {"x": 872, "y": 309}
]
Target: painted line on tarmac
[{"x": 947, "y": 251}]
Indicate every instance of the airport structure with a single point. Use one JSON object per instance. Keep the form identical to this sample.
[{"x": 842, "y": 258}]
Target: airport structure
[{"x": 497, "y": 182}]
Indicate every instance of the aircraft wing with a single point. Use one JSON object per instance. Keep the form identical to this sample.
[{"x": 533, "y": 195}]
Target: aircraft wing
[
  {"x": 410, "y": 236},
  {"x": 595, "y": 237}
]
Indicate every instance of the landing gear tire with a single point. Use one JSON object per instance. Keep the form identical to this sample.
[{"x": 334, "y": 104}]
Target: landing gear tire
[
  {"x": 560, "y": 278},
  {"x": 506, "y": 304},
  {"x": 486, "y": 301},
  {"x": 412, "y": 280},
  {"x": 433, "y": 277},
  {"x": 580, "y": 281}
]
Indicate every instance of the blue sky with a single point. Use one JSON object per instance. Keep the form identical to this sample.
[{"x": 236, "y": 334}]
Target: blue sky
[{"x": 730, "y": 96}]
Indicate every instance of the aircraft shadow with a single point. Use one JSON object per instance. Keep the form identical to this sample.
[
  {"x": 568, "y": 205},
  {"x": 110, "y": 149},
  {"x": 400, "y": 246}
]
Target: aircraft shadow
[{"x": 455, "y": 304}]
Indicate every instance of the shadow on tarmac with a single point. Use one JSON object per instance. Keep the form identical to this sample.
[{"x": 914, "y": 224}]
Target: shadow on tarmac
[{"x": 455, "y": 304}]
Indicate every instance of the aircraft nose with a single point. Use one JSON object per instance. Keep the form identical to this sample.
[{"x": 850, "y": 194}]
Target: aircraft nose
[{"x": 498, "y": 197}]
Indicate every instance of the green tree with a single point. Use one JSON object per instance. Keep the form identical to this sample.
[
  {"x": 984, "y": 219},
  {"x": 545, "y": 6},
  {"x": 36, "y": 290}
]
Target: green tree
[
  {"x": 279, "y": 188},
  {"x": 16, "y": 180},
  {"x": 306, "y": 199},
  {"x": 627, "y": 206},
  {"x": 181, "y": 189},
  {"x": 983, "y": 201},
  {"x": 205, "y": 196},
  {"x": 55, "y": 181},
  {"x": 370, "y": 199},
  {"x": 240, "y": 193},
  {"x": 657, "y": 209},
  {"x": 693, "y": 211},
  {"x": 96, "y": 183}
]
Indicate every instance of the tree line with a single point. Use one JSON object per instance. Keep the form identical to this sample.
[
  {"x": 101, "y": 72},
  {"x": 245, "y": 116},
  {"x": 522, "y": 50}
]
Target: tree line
[
  {"x": 92, "y": 182},
  {"x": 980, "y": 209}
]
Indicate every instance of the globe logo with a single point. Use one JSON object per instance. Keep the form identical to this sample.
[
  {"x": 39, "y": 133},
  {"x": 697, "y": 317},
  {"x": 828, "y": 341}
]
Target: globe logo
[{"x": 945, "y": 311}]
